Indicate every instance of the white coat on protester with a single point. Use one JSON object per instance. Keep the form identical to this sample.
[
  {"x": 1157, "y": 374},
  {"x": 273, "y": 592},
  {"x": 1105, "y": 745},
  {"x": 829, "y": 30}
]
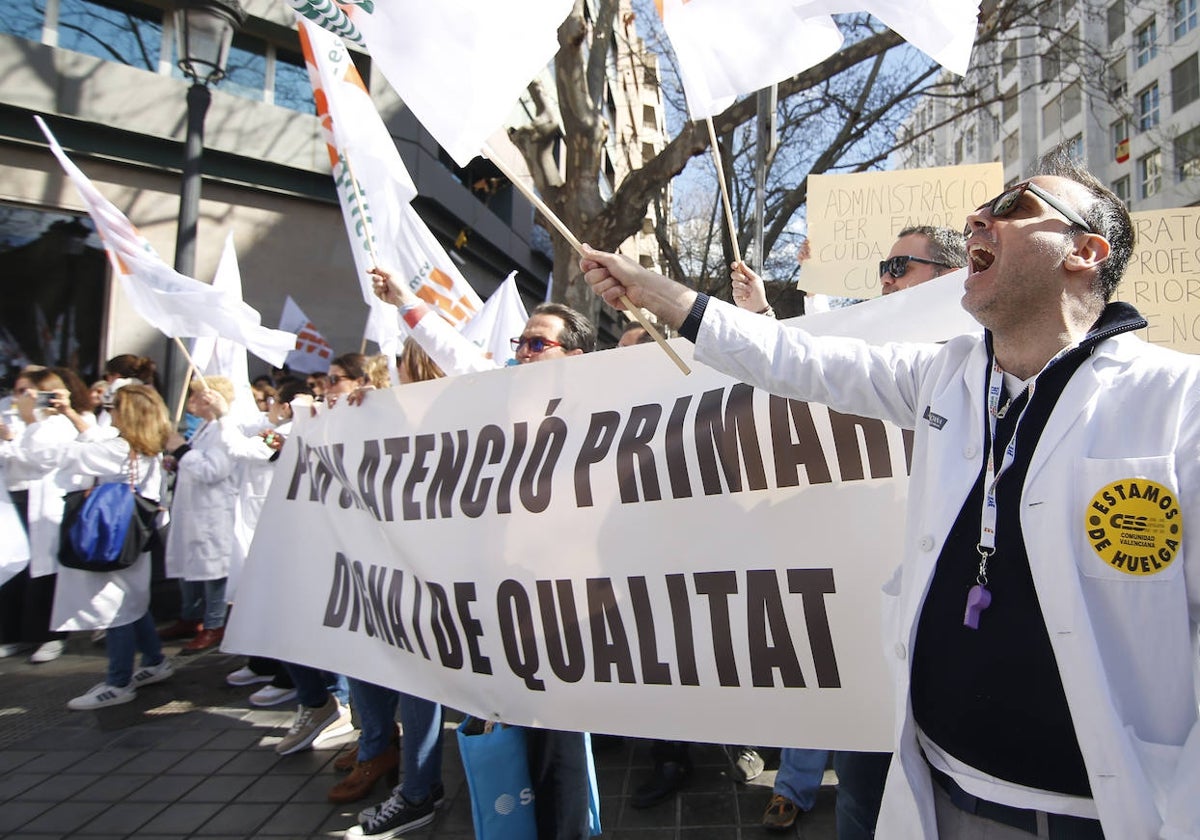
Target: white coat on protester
[
  {"x": 200, "y": 539},
  {"x": 98, "y": 600},
  {"x": 1123, "y": 643},
  {"x": 48, "y": 482},
  {"x": 255, "y": 469}
]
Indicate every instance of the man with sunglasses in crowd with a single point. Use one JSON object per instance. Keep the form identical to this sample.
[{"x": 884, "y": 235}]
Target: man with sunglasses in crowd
[
  {"x": 919, "y": 255},
  {"x": 1044, "y": 619}
]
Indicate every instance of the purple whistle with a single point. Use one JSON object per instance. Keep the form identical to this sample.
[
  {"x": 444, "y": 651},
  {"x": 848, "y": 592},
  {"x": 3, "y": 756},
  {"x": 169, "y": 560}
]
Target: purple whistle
[{"x": 978, "y": 600}]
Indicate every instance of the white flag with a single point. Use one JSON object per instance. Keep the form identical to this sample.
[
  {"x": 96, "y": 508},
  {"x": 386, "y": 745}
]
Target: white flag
[
  {"x": 220, "y": 356},
  {"x": 176, "y": 305},
  {"x": 373, "y": 185},
  {"x": 424, "y": 264},
  {"x": 313, "y": 353},
  {"x": 460, "y": 65},
  {"x": 502, "y": 317},
  {"x": 726, "y": 49},
  {"x": 942, "y": 29}
]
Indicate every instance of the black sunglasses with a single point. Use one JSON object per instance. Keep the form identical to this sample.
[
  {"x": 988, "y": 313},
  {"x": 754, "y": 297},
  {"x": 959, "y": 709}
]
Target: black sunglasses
[
  {"x": 898, "y": 266},
  {"x": 536, "y": 343},
  {"x": 1006, "y": 202}
]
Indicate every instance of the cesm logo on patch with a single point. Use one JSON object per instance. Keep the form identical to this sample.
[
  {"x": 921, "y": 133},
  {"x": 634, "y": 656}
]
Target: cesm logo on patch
[
  {"x": 935, "y": 420},
  {"x": 1134, "y": 525}
]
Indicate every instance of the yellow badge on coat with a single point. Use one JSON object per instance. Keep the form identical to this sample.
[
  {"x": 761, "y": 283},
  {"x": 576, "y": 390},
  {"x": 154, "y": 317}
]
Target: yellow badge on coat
[{"x": 1134, "y": 525}]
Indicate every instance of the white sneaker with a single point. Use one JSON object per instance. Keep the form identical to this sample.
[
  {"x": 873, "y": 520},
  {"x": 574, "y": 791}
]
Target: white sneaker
[
  {"x": 101, "y": 695},
  {"x": 270, "y": 695},
  {"x": 312, "y": 726},
  {"x": 48, "y": 652},
  {"x": 247, "y": 676},
  {"x": 150, "y": 674}
]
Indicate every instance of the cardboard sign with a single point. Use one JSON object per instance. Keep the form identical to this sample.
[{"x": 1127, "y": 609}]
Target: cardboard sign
[
  {"x": 1163, "y": 277},
  {"x": 854, "y": 219}
]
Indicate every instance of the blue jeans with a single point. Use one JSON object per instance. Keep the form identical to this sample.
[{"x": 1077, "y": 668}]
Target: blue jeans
[
  {"x": 799, "y": 776},
  {"x": 559, "y": 771},
  {"x": 376, "y": 709},
  {"x": 421, "y": 721},
  {"x": 313, "y": 687},
  {"x": 860, "y": 790},
  {"x": 122, "y": 642},
  {"x": 203, "y": 599}
]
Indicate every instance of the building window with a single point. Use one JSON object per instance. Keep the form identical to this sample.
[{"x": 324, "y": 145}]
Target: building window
[
  {"x": 1120, "y": 188},
  {"x": 1075, "y": 147},
  {"x": 969, "y": 144},
  {"x": 1008, "y": 58},
  {"x": 649, "y": 116},
  {"x": 1009, "y": 106},
  {"x": 1072, "y": 101},
  {"x": 1150, "y": 174},
  {"x": 1187, "y": 155},
  {"x": 1183, "y": 17},
  {"x": 1116, "y": 20},
  {"x": 1118, "y": 134},
  {"x": 292, "y": 89},
  {"x": 24, "y": 20},
  {"x": 1185, "y": 82},
  {"x": 1051, "y": 63},
  {"x": 1118, "y": 79},
  {"x": 1012, "y": 147},
  {"x": 1145, "y": 42},
  {"x": 1147, "y": 108},
  {"x": 1052, "y": 117},
  {"x": 958, "y": 150},
  {"x": 126, "y": 33}
]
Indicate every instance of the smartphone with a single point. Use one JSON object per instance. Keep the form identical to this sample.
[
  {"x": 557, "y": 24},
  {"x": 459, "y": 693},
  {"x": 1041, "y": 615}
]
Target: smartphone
[{"x": 43, "y": 399}]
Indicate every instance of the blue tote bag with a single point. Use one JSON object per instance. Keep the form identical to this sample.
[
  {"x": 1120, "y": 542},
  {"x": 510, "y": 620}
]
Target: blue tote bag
[{"x": 497, "y": 771}]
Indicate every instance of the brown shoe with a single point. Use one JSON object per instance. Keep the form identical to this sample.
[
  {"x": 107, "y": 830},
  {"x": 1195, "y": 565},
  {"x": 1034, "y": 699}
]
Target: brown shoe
[
  {"x": 204, "y": 640},
  {"x": 781, "y": 813},
  {"x": 362, "y": 778},
  {"x": 180, "y": 630},
  {"x": 346, "y": 759}
]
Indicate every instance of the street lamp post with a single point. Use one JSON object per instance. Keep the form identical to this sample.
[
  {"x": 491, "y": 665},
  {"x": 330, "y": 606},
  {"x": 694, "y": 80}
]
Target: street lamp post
[{"x": 203, "y": 34}]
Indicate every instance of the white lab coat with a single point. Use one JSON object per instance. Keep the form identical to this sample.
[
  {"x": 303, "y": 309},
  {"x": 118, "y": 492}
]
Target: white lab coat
[
  {"x": 96, "y": 600},
  {"x": 1123, "y": 643},
  {"x": 200, "y": 540},
  {"x": 48, "y": 482},
  {"x": 255, "y": 469}
]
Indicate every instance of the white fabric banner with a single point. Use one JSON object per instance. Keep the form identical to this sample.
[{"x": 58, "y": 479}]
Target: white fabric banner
[
  {"x": 598, "y": 543},
  {"x": 176, "y": 305}
]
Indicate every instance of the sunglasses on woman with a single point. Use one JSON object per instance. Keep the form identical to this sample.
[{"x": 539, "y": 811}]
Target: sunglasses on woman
[
  {"x": 1003, "y": 204},
  {"x": 535, "y": 343},
  {"x": 898, "y": 266}
]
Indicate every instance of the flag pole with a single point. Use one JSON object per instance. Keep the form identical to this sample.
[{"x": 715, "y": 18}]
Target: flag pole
[
  {"x": 716, "y": 153},
  {"x": 551, "y": 217}
]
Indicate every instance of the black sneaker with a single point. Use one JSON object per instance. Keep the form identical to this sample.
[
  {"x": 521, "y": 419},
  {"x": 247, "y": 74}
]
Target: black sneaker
[
  {"x": 393, "y": 817},
  {"x": 438, "y": 793}
]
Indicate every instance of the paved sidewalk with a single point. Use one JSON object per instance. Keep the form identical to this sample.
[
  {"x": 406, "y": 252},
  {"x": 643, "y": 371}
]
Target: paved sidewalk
[{"x": 190, "y": 758}]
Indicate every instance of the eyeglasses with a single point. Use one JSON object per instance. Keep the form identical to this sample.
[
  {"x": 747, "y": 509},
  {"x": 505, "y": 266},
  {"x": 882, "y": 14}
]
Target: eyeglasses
[
  {"x": 335, "y": 378},
  {"x": 1006, "y": 202},
  {"x": 536, "y": 344},
  {"x": 898, "y": 266}
]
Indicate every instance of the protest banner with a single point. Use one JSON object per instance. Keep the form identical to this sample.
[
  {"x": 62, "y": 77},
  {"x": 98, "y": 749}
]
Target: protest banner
[
  {"x": 1163, "y": 278},
  {"x": 595, "y": 543},
  {"x": 854, "y": 219}
]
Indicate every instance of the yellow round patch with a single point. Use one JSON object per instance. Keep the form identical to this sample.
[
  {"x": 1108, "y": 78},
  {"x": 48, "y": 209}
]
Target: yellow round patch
[{"x": 1134, "y": 525}]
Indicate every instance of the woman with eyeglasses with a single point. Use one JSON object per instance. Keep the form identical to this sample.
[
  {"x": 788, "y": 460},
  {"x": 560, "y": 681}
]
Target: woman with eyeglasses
[{"x": 347, "y": 373}]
